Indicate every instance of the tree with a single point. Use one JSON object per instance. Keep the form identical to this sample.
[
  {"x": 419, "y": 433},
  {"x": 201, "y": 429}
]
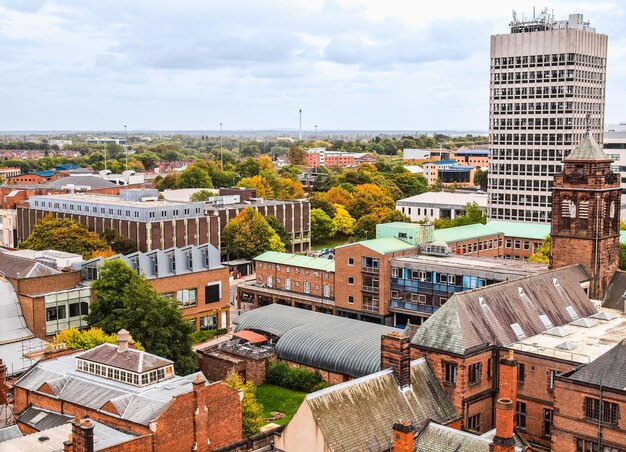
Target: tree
[
  {"x": 202, "y": 195},
  {"x": 63, "y": 234},
  {"x": 344, "y": 223},
  {"x": 410, "y": 184},
  {"x": 622, "y": 256},
  {"x": 148, "y": 159},
  {"x": 290, "y": 172},
  {"x": 125, "y": 299},
  {"x": 471, "y": 214},
  {"x": 266, "y": 164},
  {"x": 322, "y": 226},
  {"x": 278, "y": 227},
  {"x": 296, "y": 155},
  {"x": 248, "y": 168},
  {"x": 251, "y": 409},
  {"x": 169, "y": 182},
  {"x": 119, "y": 244},
  {"x": 194, "y": 177},
  {"x": 368, "y": 198},
  {"x": 338, "y": 195},
  {"x": 249, "y": 234},
  {"x": 481, "y": 178},
  {"x": 263, "y": 187},
  {"x": 76, "y": 339},
  {"x": 365, "y": 227},
  {"x": 318, "y": 201},
  {"x": 289, "y": 189},
  {"x": 542, "y": 255}
]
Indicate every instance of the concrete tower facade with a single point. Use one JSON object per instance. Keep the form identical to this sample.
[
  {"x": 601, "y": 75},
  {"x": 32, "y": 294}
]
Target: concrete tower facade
[
  {"x": 586, "y": 214},
  {"x": 546, "y": 75}
]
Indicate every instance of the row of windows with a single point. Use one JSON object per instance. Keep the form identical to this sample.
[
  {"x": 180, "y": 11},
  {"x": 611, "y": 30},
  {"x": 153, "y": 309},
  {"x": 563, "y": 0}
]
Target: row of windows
[
  {"x": 527, "y": 154},
  {"x": 289, "y": 284},
  {"x": 184, "y": 298},
  {"x": 591, "y": 445},
  {"x": 532, "y": 123},
  {"x": 296, "y": 270},
  {"x": 133, "y": 378},
  {"x": 546, "y": 91},
  {"x": 546, "y": 107},
  {"x": 419, "y": 298},
  {"x": 524, "y": 169},
  {"x": 521, "y": 184},
  {"x": 520, "y": 214},
  {"x": 560, "y": 75},
  {"x": 553, "y": 58},
  {"x": 110, "y": 211},
  {"x": 418, "y": 211}
]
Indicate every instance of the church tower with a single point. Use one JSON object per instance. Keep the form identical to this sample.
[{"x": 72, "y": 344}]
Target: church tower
[{"x": 585, "y": 215}]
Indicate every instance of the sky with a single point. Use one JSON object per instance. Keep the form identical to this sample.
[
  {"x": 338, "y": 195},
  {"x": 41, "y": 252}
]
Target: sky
[{"x": 252, "y": 64}]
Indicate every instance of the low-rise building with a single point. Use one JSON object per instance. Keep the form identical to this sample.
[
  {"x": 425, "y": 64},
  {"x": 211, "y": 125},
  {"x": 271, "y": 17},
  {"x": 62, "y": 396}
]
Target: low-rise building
[
  {"x": 192, "y": 277},
  {"x": 422, "y": 283},
  {"x": 472, "y": 157},
  {"x": 132, "y": 391},
  {"x": 436, "y": 205},
  {"x": 317, "y": 157}
]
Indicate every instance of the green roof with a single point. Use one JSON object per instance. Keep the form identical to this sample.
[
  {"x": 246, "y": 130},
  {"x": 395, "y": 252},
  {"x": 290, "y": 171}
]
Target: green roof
[
  {"x": 538, "y": 231},
  {"x": 622, "y": 236},
  {"x": 296, "y": 260},
  {"x": 386, "y": 245}
]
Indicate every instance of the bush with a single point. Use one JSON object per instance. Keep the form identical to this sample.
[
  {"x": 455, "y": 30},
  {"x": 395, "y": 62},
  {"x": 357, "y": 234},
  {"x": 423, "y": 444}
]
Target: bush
[
  {"x": 296, "y": 378},
  {"x": 198, "y": 337}
]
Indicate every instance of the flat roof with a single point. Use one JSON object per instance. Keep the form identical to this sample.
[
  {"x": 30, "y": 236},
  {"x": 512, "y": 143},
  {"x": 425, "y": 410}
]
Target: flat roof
[
  {"x": 467, "y": 232},
  {"x": 525, "y": 230},
  {"x": 584, "y": 343},
  {"x": 472, "y": 152},
  {"x": 458, "y": 199},
  {"x": 384, "y": 245},
  {"x": 108, "y": 199},
  {"x": 493, "y": 265}
]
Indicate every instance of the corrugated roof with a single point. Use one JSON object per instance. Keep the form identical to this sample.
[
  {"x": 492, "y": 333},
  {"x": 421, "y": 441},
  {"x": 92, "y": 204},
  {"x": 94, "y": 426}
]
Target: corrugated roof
[
  {"x": 41, "y": 419},
  {"x": 608, "y": 370},
  {"x": 296, "y": 260},
  {"x": 93, "y": 182},
  {"x": 498, "y": 314},
  {"x": 439, "y": 438},
  {"x": 333, "y": 343},
  {"x": 588, "y": 149},
  {"x": 359, "y": 414}
]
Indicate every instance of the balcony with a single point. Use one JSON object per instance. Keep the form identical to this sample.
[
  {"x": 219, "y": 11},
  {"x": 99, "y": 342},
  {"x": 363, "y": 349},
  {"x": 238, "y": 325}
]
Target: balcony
[
  {"x": 372, "y": 270},
  {"x": 369, "y": 289},
  {"x": 415, "y": 307}
]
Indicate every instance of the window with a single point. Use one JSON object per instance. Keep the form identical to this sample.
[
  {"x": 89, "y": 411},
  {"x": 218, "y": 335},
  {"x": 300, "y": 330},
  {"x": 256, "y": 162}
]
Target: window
[
  {"x": 521, "y": 373},
  {"x": 269, "y": 266},
  {"x": 186, "y": 298},
  {"x": 526, "y": 245},
  {"x": 350, "y": 299},
  {"x": 473, "y": 423},
  {"x": 394, "y": 294},
  {"x": 547, "y": 422},
  {"x": 212, "y": 293},
  {"x": 208, "y": 322},
  {"x": 474, "y": 373},
  {"x": 395, "y": 272},
  {"x": 351, "y": 280},
  {"x": 551, "y": 375},
  {"x": 260, "y": 264},
  {"x": 489, "y": 366},
  {"x": 508, "y": 243},
  {"x": 610, "y": 411},
  {"x": 449, "y": 373},
  {"x": 520, "y": 414},
  {"x": 517, "y": 244},
  {"x": 326, "y": 290},
  {"x": 350, "y": 261},
  {"x": 55, "y": 313},
  {"x": 307, "y": 287}
]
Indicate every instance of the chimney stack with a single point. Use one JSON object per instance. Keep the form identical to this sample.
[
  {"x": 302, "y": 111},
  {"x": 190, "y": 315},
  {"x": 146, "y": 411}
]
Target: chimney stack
[
  {"x": 395, "y": 353},
  {"x": 82, "y": 435},
  {"x": 504, "y": 440},
  {"x": 403, "y": 440},
  {"x": 123, "y": 340},
  {"x": 4, "y": 389}
]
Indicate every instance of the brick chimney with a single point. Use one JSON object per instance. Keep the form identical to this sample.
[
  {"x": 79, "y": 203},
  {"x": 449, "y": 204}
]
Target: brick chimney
[
  {"x": 395, "y": 354},
  {"x": 504, "y": 440},
  {"x": 200, "y": 415},
  {"x": 68, "y": 446},
  {"x": 403, "y": 440},
  {"x": 82, "y": 435},
  {"x": 4, "y": 389},
  {"x": 123, "y": 340}
]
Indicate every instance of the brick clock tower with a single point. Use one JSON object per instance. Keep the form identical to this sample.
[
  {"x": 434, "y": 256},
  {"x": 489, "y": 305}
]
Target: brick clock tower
[{"x": 585, "y": 215}]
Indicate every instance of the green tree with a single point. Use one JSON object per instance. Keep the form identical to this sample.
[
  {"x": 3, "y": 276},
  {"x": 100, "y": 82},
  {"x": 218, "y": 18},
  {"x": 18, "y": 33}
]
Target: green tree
[
  {"x": 148, "y": 159},
  {"x": 471, "y": 214},
  {"x": 202, "y": 195},
  {"x": 369, "y": 198},
  {"x": 249, "y": 234},
  {"x": 290, "y": 172},
  {"x": 119, "y": 244},
  {"x": 248, "y": 168},
  {"x": 410, "y": 184},
  {"x": 322, "y": 226},
  {"x": 480, "y": 179},
  {"x": 76, "y": 339},
  {"x": 318, "y": 201},
  {"x": 251, "y": 409},
  {"x": 365, "y": 228},
  {"x": 278, "y": 227},
  {"x": 542, "y": 255},
  {"x": 63, "y": 234},
  {"x": 194, "y": 177},
  {"x": 125, "y": 299},
  {"x": 296, "y": 155},
  {"x": 169, "y": 182}
]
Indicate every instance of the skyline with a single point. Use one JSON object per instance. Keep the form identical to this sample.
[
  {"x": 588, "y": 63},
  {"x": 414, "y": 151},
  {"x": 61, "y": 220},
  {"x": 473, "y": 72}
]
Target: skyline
[{"x": 348, "y": 64}]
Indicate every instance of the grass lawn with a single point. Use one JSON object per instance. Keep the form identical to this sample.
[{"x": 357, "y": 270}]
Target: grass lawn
[
  {"x": 329, "y": 243},
  {"x": 276, "y": 398}
]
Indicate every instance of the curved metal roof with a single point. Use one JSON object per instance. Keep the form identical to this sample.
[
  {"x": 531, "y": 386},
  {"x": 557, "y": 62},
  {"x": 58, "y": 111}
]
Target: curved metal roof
[{"x": 332, "y": 343}]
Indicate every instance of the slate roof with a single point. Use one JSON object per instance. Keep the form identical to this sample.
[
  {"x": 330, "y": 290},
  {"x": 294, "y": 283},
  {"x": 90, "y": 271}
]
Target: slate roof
[
  {"x": 141, "y": 405},
  {"x": 314, "y": 263},
  {"x": 588, "y": 149},
  {"x": 479, "y": 318},
  {"x": 41, "y": 419},
  {"x": 129, "y": 359},
  {"x": 333, "y": 343},
  {"x": 27, "y": 268},
  {"x": 10, "y": 432},
  {"x": 616, "y": 293},
  {"x": 359, "y": 414},
  {"x": 439, "y": 438},
  {"x": 608, "y": 369}
]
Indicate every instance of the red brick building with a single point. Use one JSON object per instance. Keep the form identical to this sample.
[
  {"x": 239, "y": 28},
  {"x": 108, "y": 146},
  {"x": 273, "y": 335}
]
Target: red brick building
[
  {"x": 586, "y": 214},
  {"x": 135, "y": 392}
]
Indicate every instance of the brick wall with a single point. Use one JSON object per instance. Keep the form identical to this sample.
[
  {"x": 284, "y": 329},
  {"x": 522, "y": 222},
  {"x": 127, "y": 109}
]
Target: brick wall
[
  {"x": 49, "y": 283},
  {"x": 297, "y": 276},
  {"x": 219, "y": 365}
]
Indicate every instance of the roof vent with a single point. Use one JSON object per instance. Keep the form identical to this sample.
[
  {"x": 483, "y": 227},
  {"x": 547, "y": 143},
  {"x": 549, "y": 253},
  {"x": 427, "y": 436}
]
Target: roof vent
[
  {"x": 481, "y": 301},
  {"x": 40, "y": 417},
  {"x": 566, "y": 346},
  {"x": 572, "y": 312},
  {"x": 520, "y": 290},
  {"x": 584, "y": 322},
  {"x": 546, "y": 321},
  {"x": 603, "y": 315},
  {"x": 558, "y": 331},
  {"x": 519, "y": 332},
  {"x": 556, "y": 282}
]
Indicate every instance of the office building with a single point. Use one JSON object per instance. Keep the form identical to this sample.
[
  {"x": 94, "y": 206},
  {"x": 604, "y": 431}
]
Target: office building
[{"x": 546, "y": 77}]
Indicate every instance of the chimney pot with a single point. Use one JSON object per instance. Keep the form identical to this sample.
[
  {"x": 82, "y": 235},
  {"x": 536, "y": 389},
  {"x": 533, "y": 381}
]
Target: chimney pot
[
  {"x": 123, "y": 340},
  {"x": 403, "y": 440}
]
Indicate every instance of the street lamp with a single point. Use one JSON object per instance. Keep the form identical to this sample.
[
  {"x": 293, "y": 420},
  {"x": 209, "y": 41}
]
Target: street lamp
[
  {"x": 221, "y": 149},
  {"x": 315, "y": 132}
]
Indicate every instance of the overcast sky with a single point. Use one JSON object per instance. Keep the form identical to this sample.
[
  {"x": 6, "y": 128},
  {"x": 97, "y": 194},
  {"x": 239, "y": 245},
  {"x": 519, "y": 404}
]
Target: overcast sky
[{"x": 191, "y": 64}]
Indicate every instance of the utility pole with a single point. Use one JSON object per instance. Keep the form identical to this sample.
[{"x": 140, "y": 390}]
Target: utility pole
[
  {"x": 221, "y": 148},
  {"x": 315, "y": 132},
  {"x": 300, "y": 134},
  {"x": 126, "y": 146}
]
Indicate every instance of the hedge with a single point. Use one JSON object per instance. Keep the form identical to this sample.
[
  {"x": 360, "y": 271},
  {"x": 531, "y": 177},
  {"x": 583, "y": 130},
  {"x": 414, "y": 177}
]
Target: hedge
[
  {"x": 296, "y": 378},
  {"x": 204, "y": 335}
]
